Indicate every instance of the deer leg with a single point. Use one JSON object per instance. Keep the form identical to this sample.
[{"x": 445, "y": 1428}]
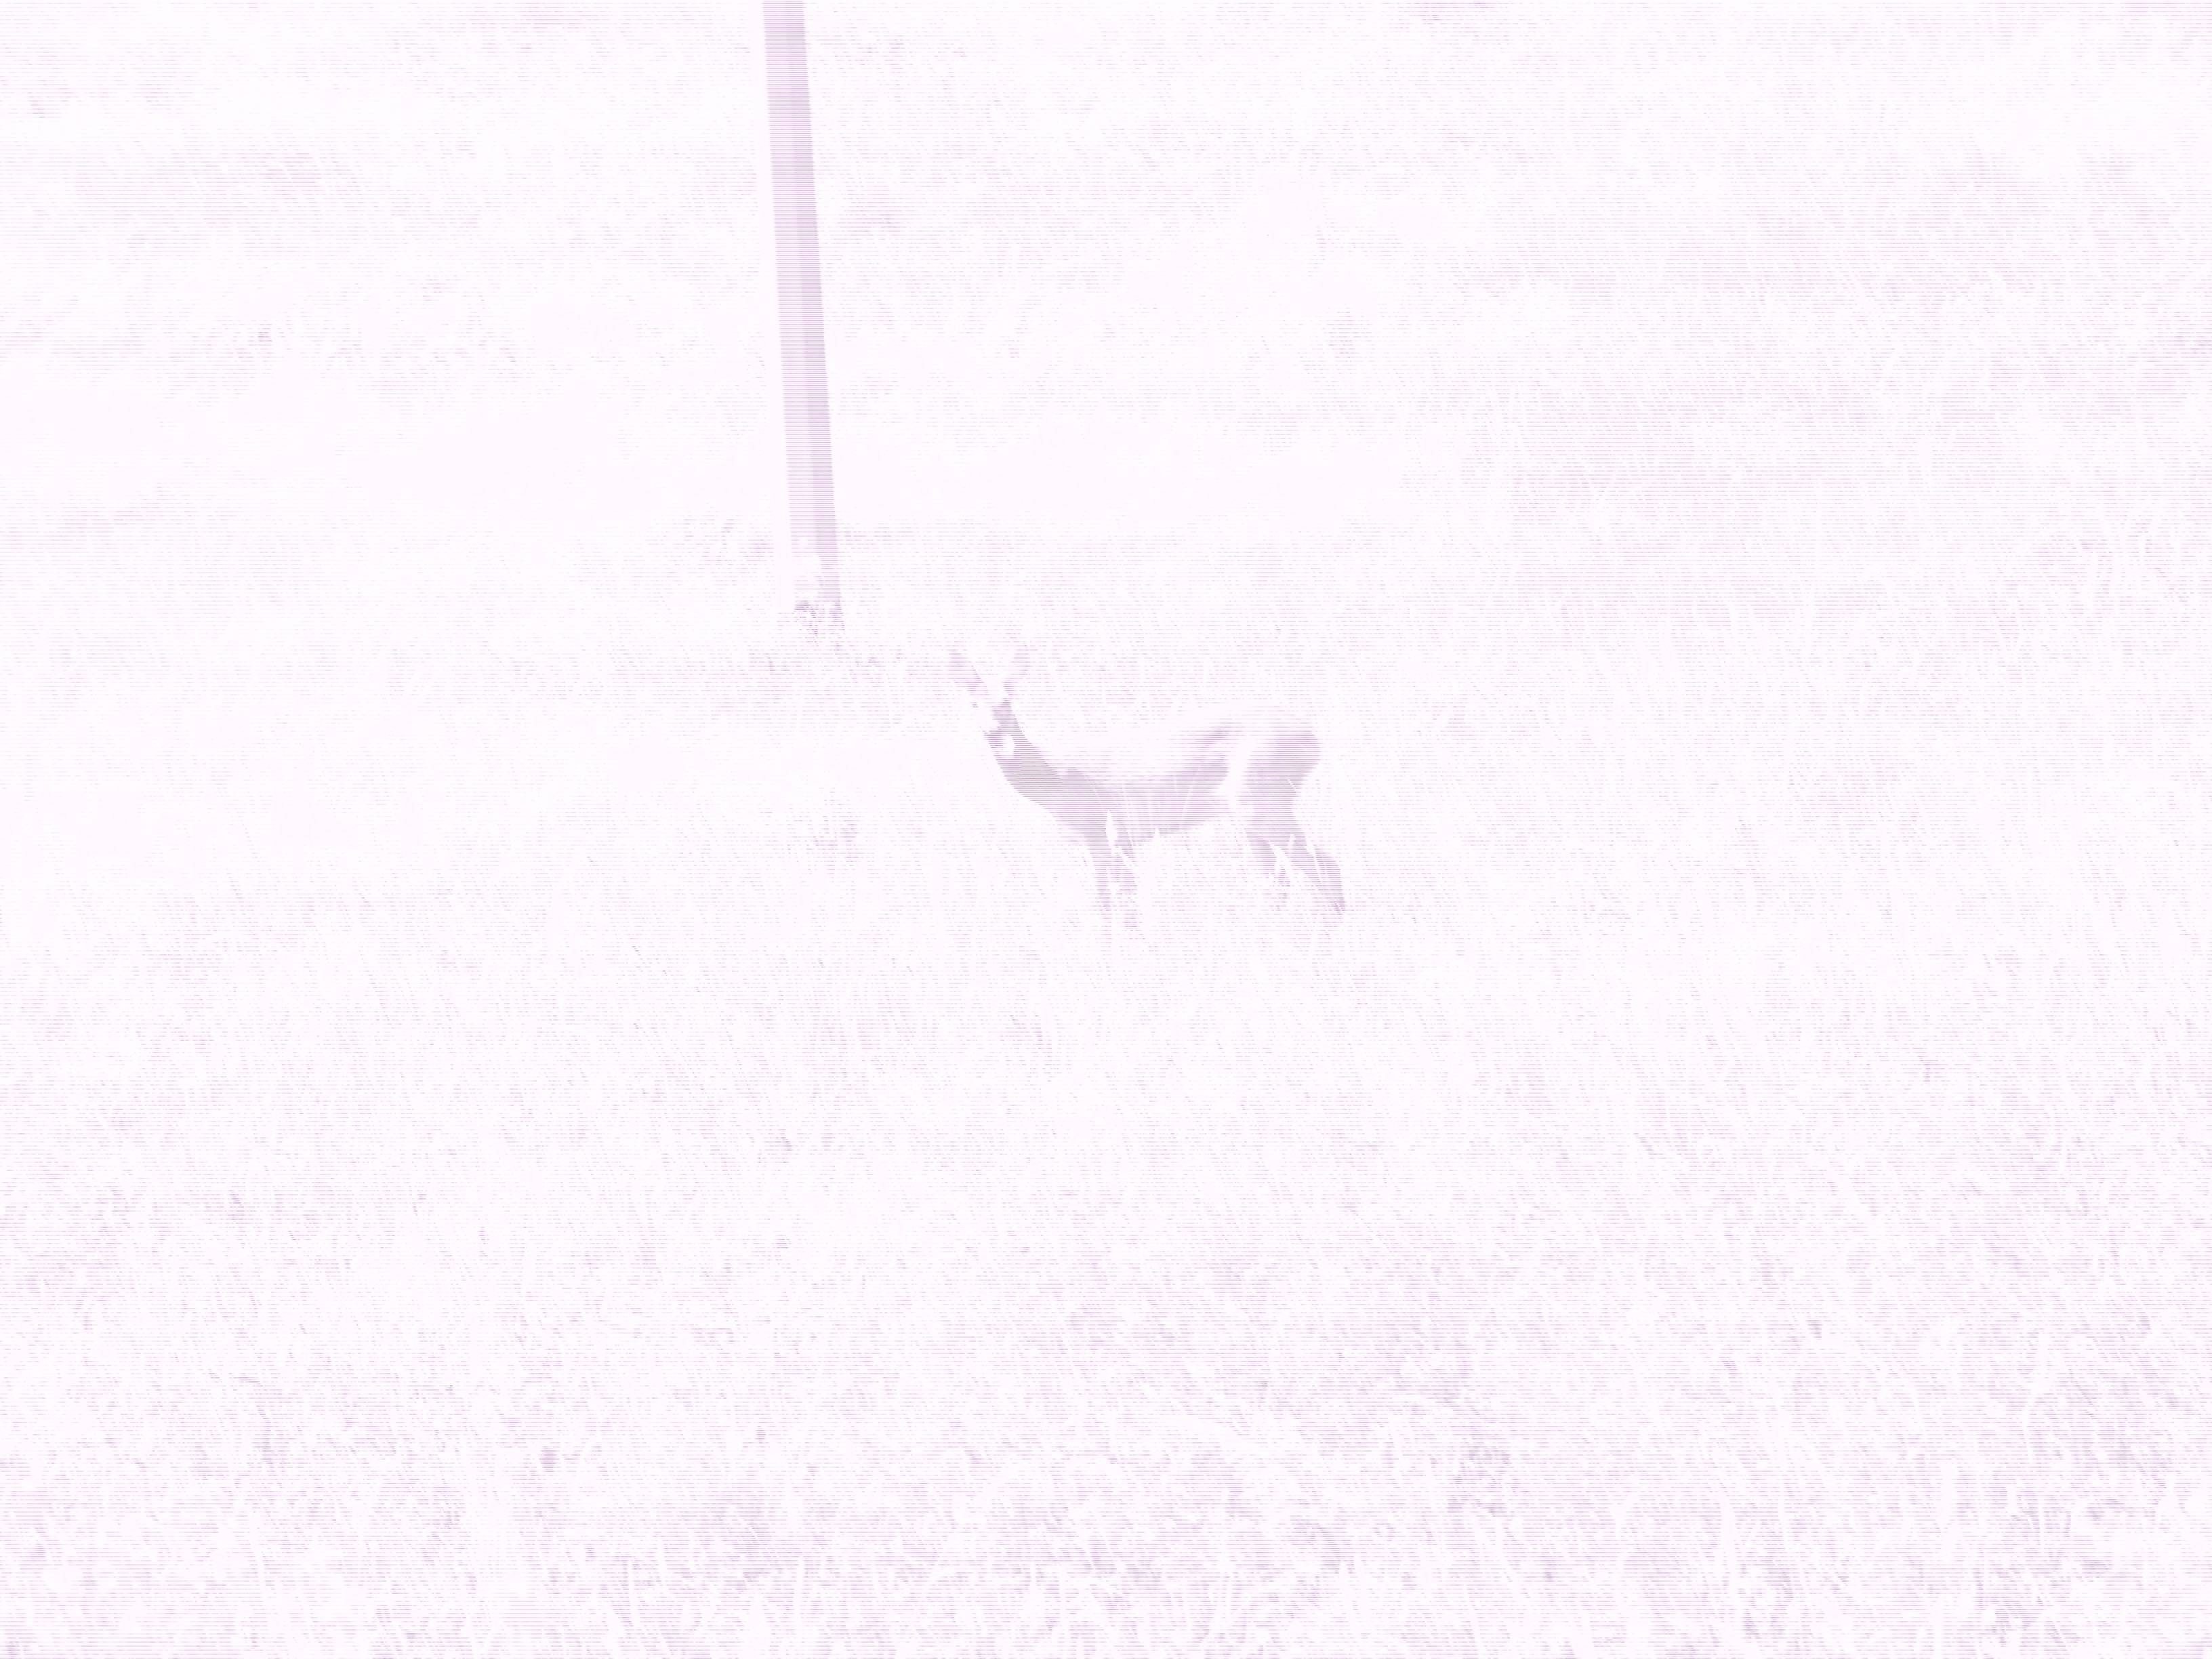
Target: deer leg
[
  {"x": 1116, "y": 879},
  {"x": 1269, "y": 851},
  {"x": 1319, "y": 868},
  {"x": 1282, "y": 844}
]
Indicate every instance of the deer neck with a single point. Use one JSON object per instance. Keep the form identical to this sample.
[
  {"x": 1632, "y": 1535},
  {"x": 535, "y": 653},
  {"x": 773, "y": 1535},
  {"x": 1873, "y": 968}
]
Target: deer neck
[{"x": 1026, "y": 768}]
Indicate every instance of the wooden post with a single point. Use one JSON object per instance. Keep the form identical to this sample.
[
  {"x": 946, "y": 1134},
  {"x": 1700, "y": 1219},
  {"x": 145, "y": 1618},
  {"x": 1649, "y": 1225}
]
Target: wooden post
[{"x": 798, "y": 279}]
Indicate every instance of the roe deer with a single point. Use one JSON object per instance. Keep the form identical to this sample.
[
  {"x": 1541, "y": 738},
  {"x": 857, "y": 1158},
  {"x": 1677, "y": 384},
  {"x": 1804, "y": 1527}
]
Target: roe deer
[{"x": 1116, "y": 793}]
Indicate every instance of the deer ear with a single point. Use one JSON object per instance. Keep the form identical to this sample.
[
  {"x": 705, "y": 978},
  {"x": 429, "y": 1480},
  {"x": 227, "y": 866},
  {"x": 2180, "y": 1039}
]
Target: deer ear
[
  {"x": 964, "y": 672},
  {"x": 1018, "y": 670}
]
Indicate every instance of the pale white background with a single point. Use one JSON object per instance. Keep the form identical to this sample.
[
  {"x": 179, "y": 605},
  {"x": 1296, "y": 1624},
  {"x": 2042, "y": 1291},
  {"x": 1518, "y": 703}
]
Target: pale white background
[{"x": 543, "y": 1114}]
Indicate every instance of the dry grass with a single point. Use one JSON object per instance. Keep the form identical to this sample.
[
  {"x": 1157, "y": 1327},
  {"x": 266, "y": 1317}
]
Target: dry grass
[{"x": 546, "y": 1117}]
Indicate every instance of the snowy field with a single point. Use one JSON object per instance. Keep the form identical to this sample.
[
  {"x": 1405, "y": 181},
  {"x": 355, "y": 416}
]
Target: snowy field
[{"x": 542, "y": 1113}]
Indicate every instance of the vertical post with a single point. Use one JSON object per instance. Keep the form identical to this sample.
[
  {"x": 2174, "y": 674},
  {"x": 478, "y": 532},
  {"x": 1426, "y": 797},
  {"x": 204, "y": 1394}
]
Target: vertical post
[{"x": 799, "y": 281}]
